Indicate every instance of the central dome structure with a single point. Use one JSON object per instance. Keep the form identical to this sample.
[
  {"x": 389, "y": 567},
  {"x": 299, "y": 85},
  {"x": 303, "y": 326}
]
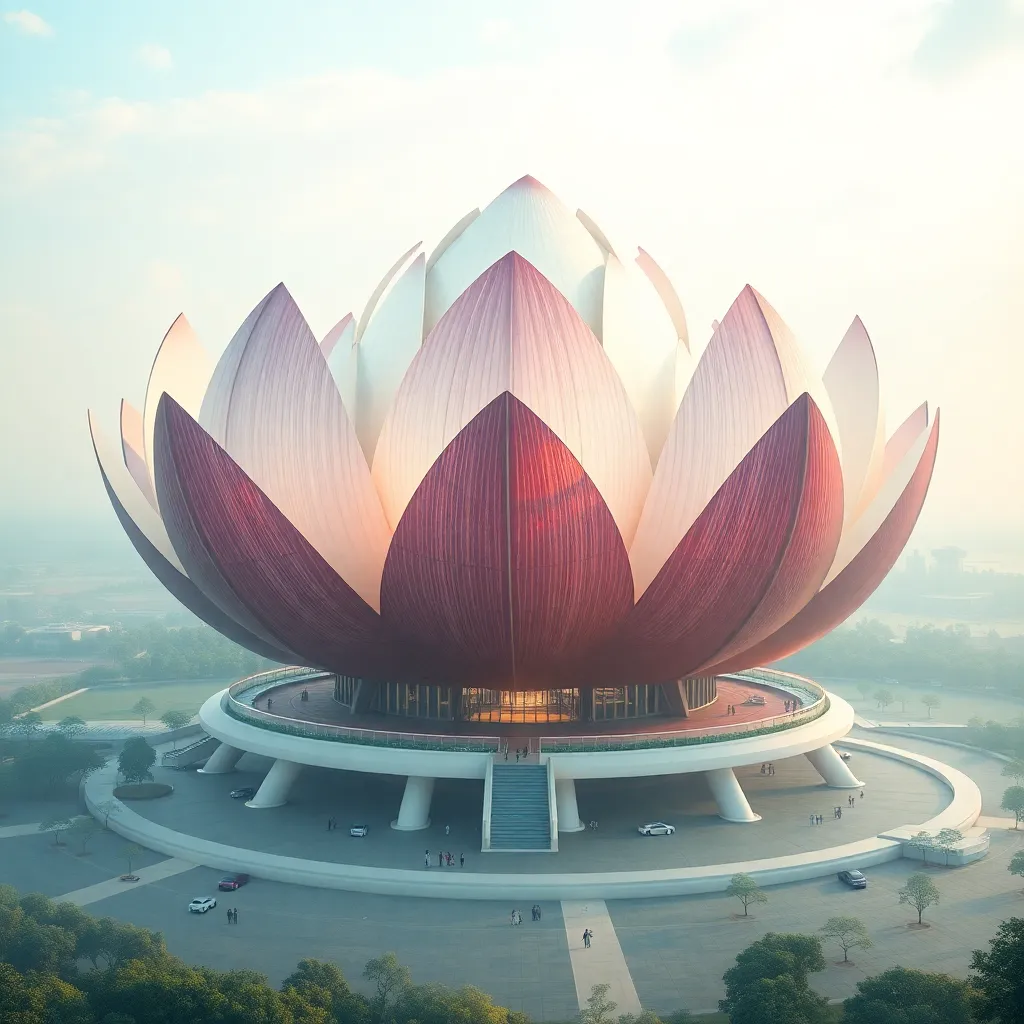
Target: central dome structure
[{"x": 510, "y": 472}]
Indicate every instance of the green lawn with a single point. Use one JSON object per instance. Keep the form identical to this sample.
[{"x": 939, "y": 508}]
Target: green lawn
[{"x": 114, "y": 702}]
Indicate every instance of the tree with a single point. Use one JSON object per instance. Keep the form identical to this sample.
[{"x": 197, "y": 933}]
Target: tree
[
  {"x": 130, "y": 853},
  {"x": 746, "y": 890},
  {"x": 768, "y": 983},
  {"x": 883, "y": 698},
  {"x": 27, "y": 725},
  {"x": 599, "y": 1009},
  {"x": 82, "y": 829},
  {"x": 390, "y": 978},
  {"x": 1014, "y": 770},
  {"x": 106, "y": 808},
  {"x": 849, "y": 933},
  {"x": 999, "y": 974},
  {"x": 1017, "y": 863},
  {"x": 902, "y": 996},
  {"x": 322, "y": 984},
  {"x": 1013, "y": 801},
  {"x": 931, "y": 702},
  {"x": 947, "y": 839},
  {"x": 923, "y": 841},
  {"x": 143, "y": 707},
  {"x": 920, "y": 892},
  {"x": 650, "y": 1017},
  {"x": 176, "y": 720},
  {"x": 71, "y": 726},
  {"x": 135, "y": 760},
  {"x": 57, "y": 826}
]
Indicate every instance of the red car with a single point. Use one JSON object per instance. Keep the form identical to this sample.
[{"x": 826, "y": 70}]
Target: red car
[{"x": 231, "y": 882}]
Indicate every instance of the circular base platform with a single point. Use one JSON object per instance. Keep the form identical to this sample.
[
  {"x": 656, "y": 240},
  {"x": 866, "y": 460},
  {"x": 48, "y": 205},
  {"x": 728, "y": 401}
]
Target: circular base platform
[{"x": 546, "y": 880}]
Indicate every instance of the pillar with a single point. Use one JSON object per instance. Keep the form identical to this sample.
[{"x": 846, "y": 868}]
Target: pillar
[
  {"x": 565, "y": 806},
  {"x": 222, "y": 760},
  {"x": 731, "y": 800},
  {"x": 414, "y": 813},
  {"x": 275, "y": 787},
  {"x": 832, "y": 768}
]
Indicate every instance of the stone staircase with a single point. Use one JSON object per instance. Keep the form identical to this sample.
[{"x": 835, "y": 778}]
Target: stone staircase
[{"x": 520, "y": 812}]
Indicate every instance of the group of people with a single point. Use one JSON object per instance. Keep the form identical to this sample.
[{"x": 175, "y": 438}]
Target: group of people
[
  {"x": 837, "y": 812},
  {"x": 521, "y": 752},
  {"x": 790, "y": 706},
  {"x": 233, "y": 915},
  {"x": 768, "y": 768},
  {"x": 730, "y": 709},
  {"x": 332, "y": 823},
  {"x": 444, "y": 859}
]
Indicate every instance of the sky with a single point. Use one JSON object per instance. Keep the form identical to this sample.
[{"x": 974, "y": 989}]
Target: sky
[{"x": 844, "y": 159}]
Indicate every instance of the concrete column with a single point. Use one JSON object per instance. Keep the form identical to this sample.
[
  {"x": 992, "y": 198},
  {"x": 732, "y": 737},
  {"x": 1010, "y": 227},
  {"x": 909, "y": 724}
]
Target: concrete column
[
  {"x": 731, "y": 800},
  {"x": 565, "y": 806},
  {"x": 832, "y": 768},
  {"x": 276, "y": 786},
  {"x": 222, "y": 760},
  {"x": 414, "y": 813}
]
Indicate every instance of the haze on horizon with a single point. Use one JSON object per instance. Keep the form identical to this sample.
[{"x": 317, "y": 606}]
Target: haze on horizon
[{"x": 843, "y": 160}]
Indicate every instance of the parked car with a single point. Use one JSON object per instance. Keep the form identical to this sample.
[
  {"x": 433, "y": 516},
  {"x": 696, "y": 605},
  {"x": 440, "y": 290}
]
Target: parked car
[
  {"x": 755, "y": 700},
  {"x": 358, "y": 831},
  {"x": 854, "y": 879},
  {"x": 245, "y": 793},
  {"x": 656, "y": 828},
  {"x": 202, "y": 904},
  {"x": 231, "y": 882},
  {"x": 846, "y": 755}
]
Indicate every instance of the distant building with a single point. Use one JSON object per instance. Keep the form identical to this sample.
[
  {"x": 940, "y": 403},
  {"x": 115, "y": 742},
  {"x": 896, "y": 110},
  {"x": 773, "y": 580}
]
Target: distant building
[
  {"x": 948, "y": 563},
  {"x": 59, "y": 634}
]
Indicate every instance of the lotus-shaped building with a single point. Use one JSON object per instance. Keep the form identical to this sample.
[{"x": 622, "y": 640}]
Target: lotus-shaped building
[{"x": 509, "y": 492}]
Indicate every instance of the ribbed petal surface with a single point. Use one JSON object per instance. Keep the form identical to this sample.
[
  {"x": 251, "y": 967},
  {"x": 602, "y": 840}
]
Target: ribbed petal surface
[
  {"x": 755, "y": 556},
  {"x": 836, "y": 601},
  {"x": 513, "y": 331},
  {"x": 275, "y": 409},
  {"x": 507, "y": 560},
  {"x": 241, "y": 550}
]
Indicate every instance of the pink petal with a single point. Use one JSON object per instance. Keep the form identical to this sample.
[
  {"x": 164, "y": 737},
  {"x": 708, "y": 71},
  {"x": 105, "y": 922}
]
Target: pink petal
[{"x": 507, "y": 560}]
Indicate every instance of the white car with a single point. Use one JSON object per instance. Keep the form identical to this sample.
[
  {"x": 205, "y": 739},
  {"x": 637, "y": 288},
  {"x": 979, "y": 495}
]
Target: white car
[
  {"x": 656, "y": 828},
  {"x": 358, "y": 831},
  {"x": 202, "y": 904}
]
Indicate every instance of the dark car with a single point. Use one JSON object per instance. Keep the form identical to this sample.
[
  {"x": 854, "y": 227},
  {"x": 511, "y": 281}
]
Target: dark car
[
  {"x": 854, "y": 879},
  {"x": 231, "y": 882},
  {"x": 245, "y": 793}
]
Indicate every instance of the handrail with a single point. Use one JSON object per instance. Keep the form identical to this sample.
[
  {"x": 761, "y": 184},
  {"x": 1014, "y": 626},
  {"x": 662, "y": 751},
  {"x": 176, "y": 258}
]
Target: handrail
[
  {"x": 787, "y": 681},
  {"x": 338, "y": 733}
]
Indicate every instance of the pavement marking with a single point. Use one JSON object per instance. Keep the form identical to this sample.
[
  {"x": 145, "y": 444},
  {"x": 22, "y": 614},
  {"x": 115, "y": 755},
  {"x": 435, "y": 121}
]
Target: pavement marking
[
  {"x": 9, "y": 831},
  {"x": 111, "y": 887},
  {"x": 604, "y": 962}
]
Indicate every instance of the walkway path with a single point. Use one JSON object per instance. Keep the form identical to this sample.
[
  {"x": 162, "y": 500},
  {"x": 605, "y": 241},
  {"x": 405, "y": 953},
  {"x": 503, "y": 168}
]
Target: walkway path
[
  {"x": 9, "y": 831},
  {"x": 113, "y": 886},
  {"x": 603, "y": 962}
]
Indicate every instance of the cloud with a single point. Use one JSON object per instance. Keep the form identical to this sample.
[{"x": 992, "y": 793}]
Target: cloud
[
  {"x": 962, "y": 32},
  {"x": 496, "y": 30},
  {"x": 156, "y": 58},
  {"x": 28, "y": 23}
]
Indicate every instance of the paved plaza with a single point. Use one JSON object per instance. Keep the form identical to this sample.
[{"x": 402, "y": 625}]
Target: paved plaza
[
  {"x": 674, "y": 950},
  {"x": 895, "y": 794}
]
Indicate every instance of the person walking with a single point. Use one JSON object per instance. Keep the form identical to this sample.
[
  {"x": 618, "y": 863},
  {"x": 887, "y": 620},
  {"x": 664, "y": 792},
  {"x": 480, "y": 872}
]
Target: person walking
[
  {"x": 839, "y": 813},
  {"x": 234, "y": 915},
  {"x": 862, "y": 794},
  {"x": 229, "y": 915},
  {"x": 462, "y": 860},
  {"x": 812, "y": 818},
  {"x": 762, "y": 769},
  {"x": 426, "y": 858},
  {"x": 820, "y": 819},
  {"x": 447, "y": 830},
  {"x": 440, "y": 859}
]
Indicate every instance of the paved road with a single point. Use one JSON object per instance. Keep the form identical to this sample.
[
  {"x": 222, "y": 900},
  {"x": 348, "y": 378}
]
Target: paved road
[
  {"x": 895, "y": 795},
  {"x": 676, "y": 949}
]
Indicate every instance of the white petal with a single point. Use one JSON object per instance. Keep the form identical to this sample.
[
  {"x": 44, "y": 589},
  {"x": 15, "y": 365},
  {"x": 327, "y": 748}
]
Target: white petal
[
  {"x": 273, "y": 406},
  {"x": 127, "y": 492},
  {"x": 339, "y": 351},
  {"x": 666, "y": 291},
  {"x": 133, "y": 447},
  {"x": 851, "y": 380},
  {"x": 528, "y": 219},
  {"x": 750, "y": 373},
  {"x": 388, "y": 344},
  {"x": 182, "y": 369}
]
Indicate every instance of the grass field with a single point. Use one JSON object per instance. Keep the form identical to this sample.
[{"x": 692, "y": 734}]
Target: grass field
[{"x": 113, "y": 702}]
